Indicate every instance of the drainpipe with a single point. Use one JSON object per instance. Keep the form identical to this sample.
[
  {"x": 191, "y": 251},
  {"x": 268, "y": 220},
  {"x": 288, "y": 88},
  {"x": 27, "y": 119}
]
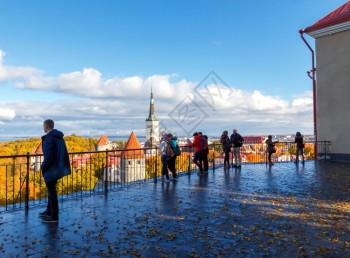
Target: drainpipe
[{"x": 313, "y": 91}]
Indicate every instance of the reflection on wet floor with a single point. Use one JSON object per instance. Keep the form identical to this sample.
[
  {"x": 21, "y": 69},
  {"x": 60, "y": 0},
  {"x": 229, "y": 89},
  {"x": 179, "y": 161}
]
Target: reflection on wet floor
[{"x": 258, "y": 210}]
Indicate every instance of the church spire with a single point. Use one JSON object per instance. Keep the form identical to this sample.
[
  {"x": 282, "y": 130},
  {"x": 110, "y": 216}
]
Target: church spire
[{"x": 151, "y": 116}]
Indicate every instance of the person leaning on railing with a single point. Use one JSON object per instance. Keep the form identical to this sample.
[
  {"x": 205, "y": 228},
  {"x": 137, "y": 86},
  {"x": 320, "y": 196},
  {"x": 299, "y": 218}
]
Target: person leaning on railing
[
  {"x": 226, "y": 145},
  {"x": 198, "y": 159},
  {"x": 205, "y": 151},
  {"x": 300, "y": 147},
  {"x": 236, "y": 140},
  {"x": 270, "y": 148}
]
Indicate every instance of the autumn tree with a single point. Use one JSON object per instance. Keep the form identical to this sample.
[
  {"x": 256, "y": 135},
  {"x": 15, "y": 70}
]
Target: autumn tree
[{"x": 217, "y": 146}]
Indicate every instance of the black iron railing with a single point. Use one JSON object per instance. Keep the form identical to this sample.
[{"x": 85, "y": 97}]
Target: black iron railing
[{"x": 22, "y": 184}]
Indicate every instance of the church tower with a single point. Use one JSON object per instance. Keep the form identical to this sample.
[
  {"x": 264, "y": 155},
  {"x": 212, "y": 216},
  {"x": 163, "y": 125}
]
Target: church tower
[
  {"x": 152, "y": 125},
  {"x": 133, "y": 166}
]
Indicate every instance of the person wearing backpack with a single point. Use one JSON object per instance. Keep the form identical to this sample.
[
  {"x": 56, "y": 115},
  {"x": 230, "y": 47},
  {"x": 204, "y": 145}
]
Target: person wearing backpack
[
  {"x": 205, "y": 151},
  {"x": 237, "y": 141},
  {"x": 172, "y": 161},
  {"x": 167, "y": 153}
]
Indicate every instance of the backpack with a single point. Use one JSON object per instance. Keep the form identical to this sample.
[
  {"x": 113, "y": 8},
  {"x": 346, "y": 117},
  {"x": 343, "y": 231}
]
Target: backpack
[
  {"x": 169, "y": 150},
  {"x": 203, "y": 143},
  {"x": 177, "y": 150}
]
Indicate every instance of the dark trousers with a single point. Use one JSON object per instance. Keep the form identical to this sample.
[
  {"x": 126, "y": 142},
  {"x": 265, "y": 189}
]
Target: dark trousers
[
  {"x": 171, "y": 166},
  {"x": 198, "y": 160},
  {"x": 165, "y": 160},
  {"x": 300, "y": 151},
  {"x": 269, "y": 156},
  {"x": 205, "y": 160},
  {"x": 52, "y": 204},
  {"x": 227, "y": 157}
]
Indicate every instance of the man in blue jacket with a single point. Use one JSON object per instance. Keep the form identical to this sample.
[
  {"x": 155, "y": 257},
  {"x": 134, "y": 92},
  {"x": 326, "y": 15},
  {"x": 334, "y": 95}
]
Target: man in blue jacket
[{"x": 55, "y": 166}]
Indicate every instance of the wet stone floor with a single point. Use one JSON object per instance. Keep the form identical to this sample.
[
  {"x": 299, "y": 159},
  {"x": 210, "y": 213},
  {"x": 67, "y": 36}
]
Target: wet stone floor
[{"x": 286, "y": 210}]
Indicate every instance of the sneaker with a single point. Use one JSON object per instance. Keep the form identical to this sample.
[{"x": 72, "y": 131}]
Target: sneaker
[
  {"x": 239, "y": 166},
  {"x": 234, "y": 166},
  {"x": 175, "y": 178},
  {"x": 50, "y": 220},
  {"x": 44, "y": 214}
]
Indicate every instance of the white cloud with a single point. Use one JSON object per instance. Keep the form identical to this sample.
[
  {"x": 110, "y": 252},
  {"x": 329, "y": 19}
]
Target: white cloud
[
  {"x": 117, "y": 105},
  {"x": 7, "y": 113},
  {"x": 17, "y": 74}
]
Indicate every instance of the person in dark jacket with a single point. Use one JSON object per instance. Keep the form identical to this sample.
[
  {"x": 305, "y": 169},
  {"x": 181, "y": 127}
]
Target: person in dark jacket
[
  {"x": 226, "y": 145},
  {"x": 55, "y": 166},
  {"x": 300, "y": 147},
  {"x": 236, "y": 140},
  {"x": 205, "y": 151},
  {"x": 270, "y": 148}
]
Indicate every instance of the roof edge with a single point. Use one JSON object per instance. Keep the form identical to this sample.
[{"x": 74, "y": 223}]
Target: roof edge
[{"x": 329, "y": 30}]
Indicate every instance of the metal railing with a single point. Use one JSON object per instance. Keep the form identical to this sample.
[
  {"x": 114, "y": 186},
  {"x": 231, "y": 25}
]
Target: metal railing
[
  {"x": 22, "y": 184},
  {"x": 256, "y": 152}
]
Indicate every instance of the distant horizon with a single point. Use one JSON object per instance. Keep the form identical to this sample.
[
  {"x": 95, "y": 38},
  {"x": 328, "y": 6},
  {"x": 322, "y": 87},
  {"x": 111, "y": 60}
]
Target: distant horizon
[{"x": 126, "y": 137}]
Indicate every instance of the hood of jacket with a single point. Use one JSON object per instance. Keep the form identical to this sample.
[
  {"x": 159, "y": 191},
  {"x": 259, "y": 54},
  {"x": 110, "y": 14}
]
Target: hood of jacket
[{"x": 54, "y": 133}]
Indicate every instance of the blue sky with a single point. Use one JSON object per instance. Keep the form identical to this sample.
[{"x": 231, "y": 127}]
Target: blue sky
[{"x": 89, "y": 65}]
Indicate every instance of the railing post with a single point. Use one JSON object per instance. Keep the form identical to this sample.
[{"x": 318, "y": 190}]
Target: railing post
[
  {"x": 27, "y": 184},
  {"x": 106, "y": 173},
  {"x": 189, "y": 165},
  {"x": 214, "y": 160},
  {"x": 155, "y": 166}
]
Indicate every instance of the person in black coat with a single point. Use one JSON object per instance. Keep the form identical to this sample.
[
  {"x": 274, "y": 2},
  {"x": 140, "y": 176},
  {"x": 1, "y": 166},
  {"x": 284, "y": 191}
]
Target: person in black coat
[
  {"x": 270, "y": 148},
  {"x": 300, "y": 147},
  {"x": 226, "y": 145},
  {"x": 55, "y": 165}
]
